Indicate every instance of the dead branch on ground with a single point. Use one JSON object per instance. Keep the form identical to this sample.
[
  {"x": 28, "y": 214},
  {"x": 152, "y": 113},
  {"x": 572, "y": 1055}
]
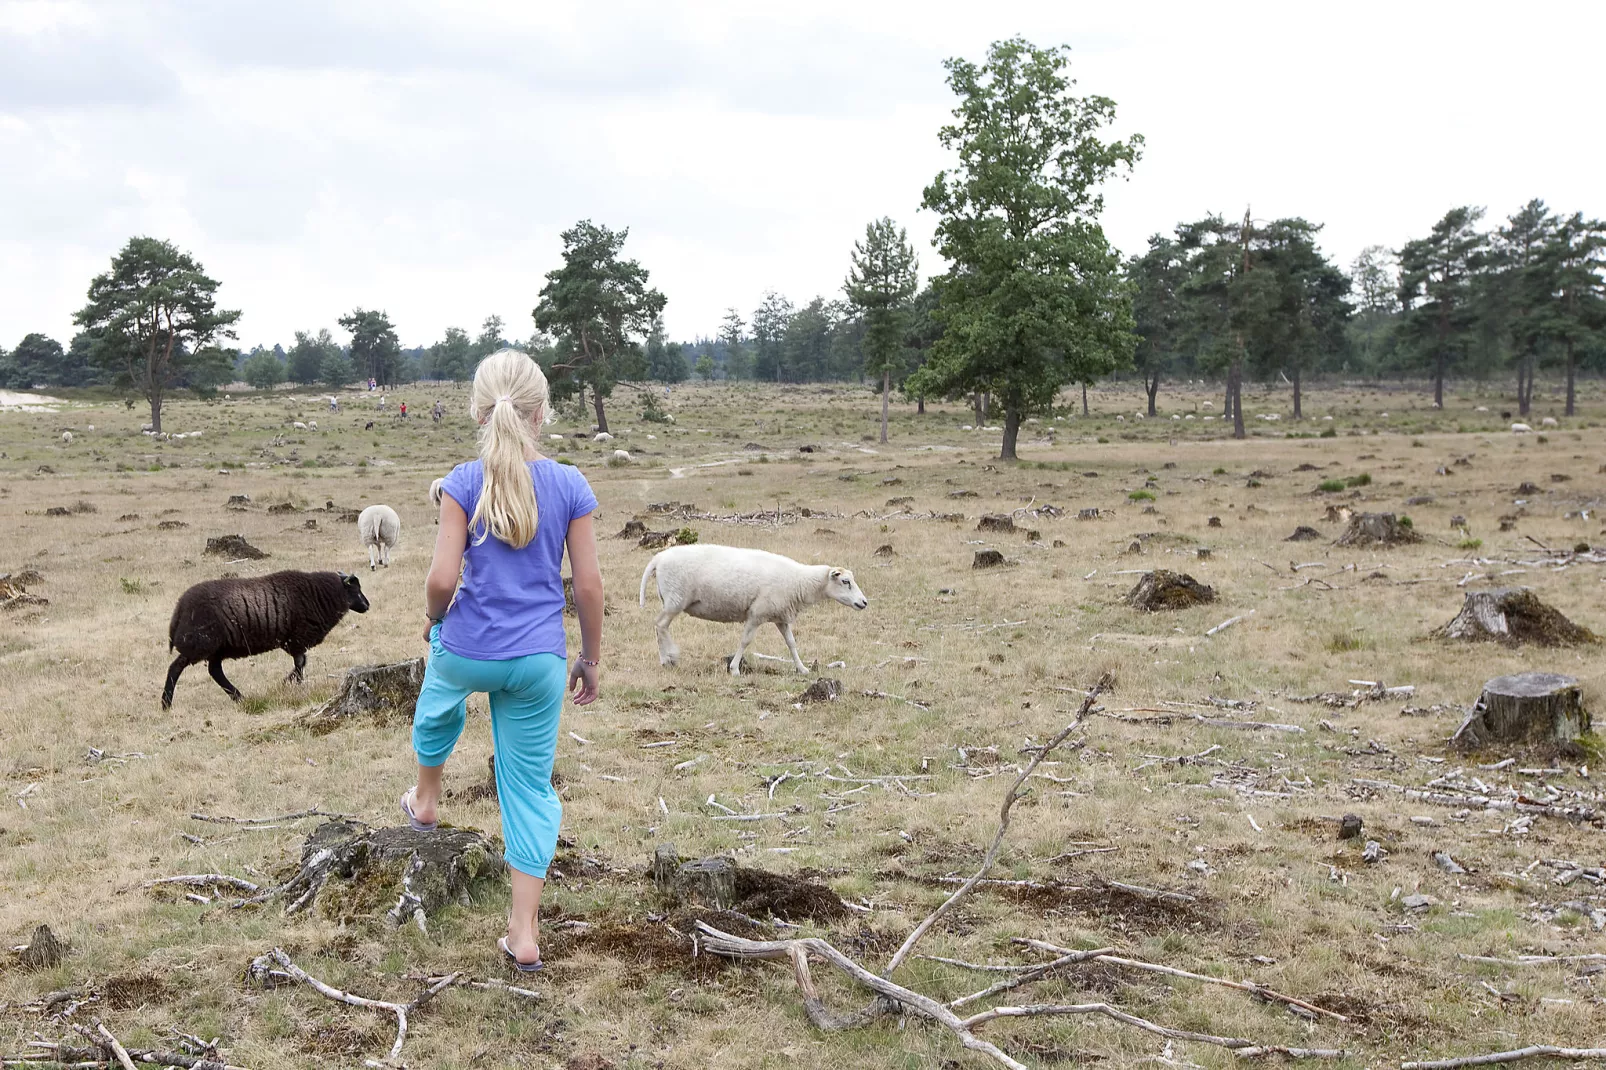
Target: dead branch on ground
[
  {"x": 1535, "y": 1051},
  {"x": 297, "y": 816}
]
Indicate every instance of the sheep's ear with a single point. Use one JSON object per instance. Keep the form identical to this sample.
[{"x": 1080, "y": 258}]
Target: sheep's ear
[{"x": 836, "y": 573}]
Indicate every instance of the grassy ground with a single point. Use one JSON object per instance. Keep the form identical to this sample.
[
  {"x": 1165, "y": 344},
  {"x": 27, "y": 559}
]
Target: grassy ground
[{"x": 988, "y": 661}]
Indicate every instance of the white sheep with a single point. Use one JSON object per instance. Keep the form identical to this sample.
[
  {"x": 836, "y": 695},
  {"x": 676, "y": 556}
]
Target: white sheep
[
  {"x": 66, "y": 438},
  {"x": 312, "y": 425},
  {"x": 435, "y": 492},
  {"x": 623, "y": 455},
  {"x": 379, "y": 528},
  {"x": 733, "y": 583},
  {"x": 91, "y": 427},
  {"x": 603, "y": 436},
  {"x": 1549, "y": 421},
  {"x": 299, "y": 426},
  {"x": 1520, "y": 429}
]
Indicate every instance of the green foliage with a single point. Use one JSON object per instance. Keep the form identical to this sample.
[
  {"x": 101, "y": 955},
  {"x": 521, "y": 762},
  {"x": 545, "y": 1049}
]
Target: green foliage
[
  {"x": 771, "y": 319},
  {"x": 154, "y": 319},
  {"x": 454, "y": 357},
  {"x": 1439, "y": 320},
  {"x": 666, "y": 361},
  {"x": 596, "y": 305},
  {"x": 132, "y": 586},
  {"x": 651, "y": 411},
  {"x": 1328, "y": 432},
  {"x": 1034, "y": 298},
  {"x": 262, "y": 369},
  {"x": 705, "y": 367},
  {"x": 1469, "y": 544},
  {"x": 1140, "y": 496},
  {"x": 375, "y": 350},
  {"x": 737, "y": 364},
  {"x": 1362, "y": 480},
  {"x": 1405, "y": 521},
  {"x": 879, "y": 286},
  {"x": 1330, "y": 486},
  {"x": 334, "y": 369},
  {"x": 306, "y": 359}
]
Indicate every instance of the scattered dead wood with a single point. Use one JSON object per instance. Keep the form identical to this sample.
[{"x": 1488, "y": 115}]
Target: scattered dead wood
[
  {"x": 1163, "y": 589},
  {"x": 103, "y": 1054},
  {"x": 1377, "y": 529},
  {"x": 1166, "y": 720},
  {"x": 1513, "y": 615},
  {"x": 233, "y": 547},
  {"x": 384, "y": 693},
  {"x": 263, "y": 972},
  {"x": 1528, "y": 707},
  {"x": 1535, "y": 1051}
]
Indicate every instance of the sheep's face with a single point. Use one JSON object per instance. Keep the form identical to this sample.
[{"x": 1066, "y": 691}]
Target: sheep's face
[
  {"x": 356, "y": 601},
  {"x": 845, "y": 590}
]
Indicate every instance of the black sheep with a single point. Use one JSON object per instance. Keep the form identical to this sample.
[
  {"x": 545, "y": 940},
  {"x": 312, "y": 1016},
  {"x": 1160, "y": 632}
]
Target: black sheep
[{"x": 236, "y": 618}]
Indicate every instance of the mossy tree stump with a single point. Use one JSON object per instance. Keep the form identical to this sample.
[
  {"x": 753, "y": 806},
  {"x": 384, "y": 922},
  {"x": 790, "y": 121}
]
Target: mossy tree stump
[
  {"x": 1513, "y": 615},
  {"x": 1164, "y": 589},
  {"x": 1528, "y": 707},
  {"x": 1377, "y": 529},
  {"x": 383, "y": 693}
]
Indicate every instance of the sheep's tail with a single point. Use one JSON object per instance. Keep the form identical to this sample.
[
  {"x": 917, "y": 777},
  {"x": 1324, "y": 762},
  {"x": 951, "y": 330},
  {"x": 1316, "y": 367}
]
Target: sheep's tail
[{"x": 652, "y": 566}]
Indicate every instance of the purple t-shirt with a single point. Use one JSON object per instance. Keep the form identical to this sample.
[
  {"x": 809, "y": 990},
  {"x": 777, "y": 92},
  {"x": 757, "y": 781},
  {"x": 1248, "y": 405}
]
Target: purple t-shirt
[{"x": 510, "y": 602}]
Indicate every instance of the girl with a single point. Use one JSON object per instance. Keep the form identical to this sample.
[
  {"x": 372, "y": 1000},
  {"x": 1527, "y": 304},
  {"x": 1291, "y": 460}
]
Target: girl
[{"x": 504, "y": 522}]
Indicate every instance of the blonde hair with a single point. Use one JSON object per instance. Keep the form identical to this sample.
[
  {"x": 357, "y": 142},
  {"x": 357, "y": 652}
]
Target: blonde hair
[{"x": 509, "y": 401}]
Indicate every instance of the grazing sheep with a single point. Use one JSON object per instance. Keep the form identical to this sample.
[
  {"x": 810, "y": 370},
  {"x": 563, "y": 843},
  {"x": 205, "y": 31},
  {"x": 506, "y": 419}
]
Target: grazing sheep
[
  {"x": 734, "y": 583},
  {"x": 312, "y": 425},
  {"x": 435, "y": 492},
  {"x": 298, "y": 425},
  {"x": 66, "y": 438},
  {"x": 1520, "y": 429},
  {"x": 1549, "y": 421},
  {"x": 91, "y": 427},
  {"x": 236, "y": 618},
  {"x": 623, "y": 455},
  {"x": 603, "y": 436},
  {"x": 379, "y": 528}
]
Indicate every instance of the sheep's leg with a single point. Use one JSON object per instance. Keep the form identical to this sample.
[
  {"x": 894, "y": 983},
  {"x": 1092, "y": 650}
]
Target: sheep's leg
[
  {"x": 791, "y": 644},
  {"x": 749, "y": 630},
  {"x": 668, "y": 652},
  {"x": 295, "y": 676},
  {"x": 180, "y": 663},
  {"x": 215, "y": 667},
  {"x": 373, "y": 557}
]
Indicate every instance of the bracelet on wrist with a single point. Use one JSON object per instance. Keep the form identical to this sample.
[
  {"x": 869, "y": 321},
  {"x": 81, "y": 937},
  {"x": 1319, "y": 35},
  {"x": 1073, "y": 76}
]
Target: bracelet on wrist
[{"x": 593, "y": 662}]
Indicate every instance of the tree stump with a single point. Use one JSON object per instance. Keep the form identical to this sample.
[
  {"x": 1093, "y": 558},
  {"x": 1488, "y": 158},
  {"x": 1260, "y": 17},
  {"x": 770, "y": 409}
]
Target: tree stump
[
  {"x": 987, "y": 559},
  {"x": 233, "y": 546},
  {"x": 1377, "y": 529},
  {"x": 633, "y": 529},
  {"x": 1303, "y": 533},
  {"x": 821, "y": 691},
  {"x": 1164, "y": 589},
  {"x": 1513, "y": 615},
  {"x": 385, "y": 693},
  {"x": 720, "y": 883},
  {"x": 351, "y": 872},
  {"x": 44, "y": 951},
  {"x": 1528, "y": 707},
  {"x": 997, "y": 522}
]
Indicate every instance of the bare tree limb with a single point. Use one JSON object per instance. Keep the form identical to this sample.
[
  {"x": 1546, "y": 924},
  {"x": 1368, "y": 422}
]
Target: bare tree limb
[
  {"x": 1010, "y": 798},
  {"x": 207, "y": 880},
  {"x": 120, "y": 1052},
  {"x": 1535, "y": 1051},
  {"x": 297, "y": 816}
]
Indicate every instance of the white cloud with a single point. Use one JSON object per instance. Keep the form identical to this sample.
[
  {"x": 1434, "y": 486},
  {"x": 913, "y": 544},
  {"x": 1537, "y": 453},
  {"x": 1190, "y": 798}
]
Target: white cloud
[{"x": 423, "y": 158}]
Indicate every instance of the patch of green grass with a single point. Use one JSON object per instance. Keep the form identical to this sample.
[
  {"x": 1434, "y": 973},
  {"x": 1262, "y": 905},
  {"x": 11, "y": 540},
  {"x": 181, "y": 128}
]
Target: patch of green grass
[
  {"x": 1362, "y": 480},
  {"x": 1342, "y": 642},
  {"x": 1219, "y": 472},
  {"x": 1330, "y": 486},
  {"x": 133, "y": 586},
  {"x": 1469, "y": 544},
  {"x": 1140, "y": 496},
  {"x": 1405, "y": 521}
]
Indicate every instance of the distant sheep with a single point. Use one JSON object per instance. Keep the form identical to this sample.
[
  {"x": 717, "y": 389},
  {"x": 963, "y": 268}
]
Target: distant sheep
[
  {"x": 603, "y": 436},
  {"x": 435, "y": 492},
  {"x": 312, "y": 425},
  {"x": 298, "y": 425},
  {"x": 623, "y": 455},
  {"x": 732, "y": 583},
  {"x": 66, "y": 438},
  {"x": 379, "y": 528},
  {"x": 236, "y": 618},
  {"x": 1549, "y": 421},
  {"x": 1520, "y": 429}
]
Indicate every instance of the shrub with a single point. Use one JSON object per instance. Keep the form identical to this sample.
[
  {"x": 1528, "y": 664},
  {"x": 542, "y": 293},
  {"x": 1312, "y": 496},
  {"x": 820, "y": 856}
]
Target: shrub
[
  {"x": 1219, "y": 472},
  {"x": 1469, "y": 544},
  {"x": 1362, "y": 480},
  {"x": 651, "y": 411},
  {"x": 1330, "y": 486},
  {"x": 1141, "y": 496},
  {"x": 1405, "y": 521},
  {"x": 561, "y": 459},
  {"x": 1328, "y": 432},
  {"x": 132, "y": 586}
]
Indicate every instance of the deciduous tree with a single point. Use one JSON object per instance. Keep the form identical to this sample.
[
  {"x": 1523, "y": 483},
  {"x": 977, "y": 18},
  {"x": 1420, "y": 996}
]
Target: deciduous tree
[
  {"x": 304, "y": 365},
  {"x": 155, "y": 318},
  {"x": 375, "y": 349},
  {"x": 262, "y": 369},
  {"x": 1034, "y": 298}
]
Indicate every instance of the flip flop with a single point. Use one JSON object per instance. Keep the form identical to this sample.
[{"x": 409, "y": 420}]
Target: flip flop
[
  {"x": 523, "y": 967},
  {"x": 413, "y": 822}
]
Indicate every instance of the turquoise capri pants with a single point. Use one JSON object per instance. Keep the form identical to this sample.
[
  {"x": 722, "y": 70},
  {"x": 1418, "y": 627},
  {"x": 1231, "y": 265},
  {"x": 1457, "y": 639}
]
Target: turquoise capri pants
[{"x": 526, "y": 696}]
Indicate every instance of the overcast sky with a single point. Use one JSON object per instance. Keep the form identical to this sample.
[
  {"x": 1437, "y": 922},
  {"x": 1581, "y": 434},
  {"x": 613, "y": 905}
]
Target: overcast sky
[{"x": 422, "y": 158}]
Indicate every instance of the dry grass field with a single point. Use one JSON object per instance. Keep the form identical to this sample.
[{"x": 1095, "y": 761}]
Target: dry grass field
[{"x": 97, "y": 782}]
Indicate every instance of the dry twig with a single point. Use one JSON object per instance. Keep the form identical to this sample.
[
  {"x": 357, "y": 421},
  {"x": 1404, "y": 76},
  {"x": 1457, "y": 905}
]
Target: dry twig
[{"x": 1535, "y": 1051}]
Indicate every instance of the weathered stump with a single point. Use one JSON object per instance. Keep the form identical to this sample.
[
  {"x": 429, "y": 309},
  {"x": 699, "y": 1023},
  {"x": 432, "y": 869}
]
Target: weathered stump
[
  {"x": 720, "y": 883},
  {"x": 233, "y": 546},
  {"x": 1377, "y": 529},
  {"x": 1528, "y": 707},
  {"x": 884, "y": 550},
  {"x": 1164, "y": 589},
  {"x": 997, "y": 522},
  {"x": 1303, "y": 533},
  {"x": 633, "y": 529},
  {"x": 44, "y": 951},
  {"x": 1513, "y": 615},
  {"x": 384, "y": 693},
  {"x": 987, "y": 559},
  {"x": 351, "y": 872},
  {"x": 1338, "y": 514},
  {"x": 821, "y": 691}
]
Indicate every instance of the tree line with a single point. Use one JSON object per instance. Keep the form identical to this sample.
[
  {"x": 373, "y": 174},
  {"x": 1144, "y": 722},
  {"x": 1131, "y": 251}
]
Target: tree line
[{"x": 1034, "y": 298}]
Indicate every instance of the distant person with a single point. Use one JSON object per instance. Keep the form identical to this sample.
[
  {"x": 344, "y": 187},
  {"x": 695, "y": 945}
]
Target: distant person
[
  {"x": 334, "y": 404},
  {"x": 494, "y": 599},
  {"x": 438, "y": 412},
  {"x": 404, "y": 408},
  {"x": 381, "y": 403}
]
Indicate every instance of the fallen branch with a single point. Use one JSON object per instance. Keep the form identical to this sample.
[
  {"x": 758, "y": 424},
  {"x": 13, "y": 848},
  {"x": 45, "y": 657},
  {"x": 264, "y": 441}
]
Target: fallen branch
[
  {"x": 1229, "y": 622},
  {"x": 1532, "y": 960},
  {"x": 1010, "y": 798},
  {"x": 116, "y": 1046},
  {"x": 102, "y": 1055},
  {"x": 207, "y": 880},
  {"x": 314, "y": 812},
  {"x": 1546, "y": 1050},
  {"x": 260, "y": 969},
  {"x": 1253, "y": 989},
  {"x": 1169, "y": 719}
]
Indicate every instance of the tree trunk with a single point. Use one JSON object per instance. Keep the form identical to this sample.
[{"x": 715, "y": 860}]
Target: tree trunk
[
  {"x": 1298, "y": 413},
  {"x": 975, "y": 405},
  {"x": 1011, "y": 431},
  {"x": 1237, "y": 385},
  {"x": 1084, "y": 399},
  {"x": 1152, "y": 386},
  {"x": 1571, "y": 370},
  {"x": 886, "y": 389},
  {"x": 1438, "y": 377},
  {"x": 156, "y": 411},
  {"x": 986, "y": 405},
  {"x": 1529, "y": 707},
  {"x": 602, "y": 417},
  {"x": 920, "y": 405}
]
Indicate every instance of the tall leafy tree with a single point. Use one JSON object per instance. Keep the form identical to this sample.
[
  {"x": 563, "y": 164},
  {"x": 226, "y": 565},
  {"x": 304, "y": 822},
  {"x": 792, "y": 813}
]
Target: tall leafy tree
[
  {"x": 770, "y": 320},
  {"x": 1222, "y": 302},
  {"x": 1436, "y": 291},
  {"x": 1375, "y": 289},
  {"x": 1158, "y": 314},
  {"x": 880, "y": 284},
  {"x": 38, "y": 359},
  {"x": 1579, "y": 253},
  {"x": 597, "y": 305},
  {"x": 920, "y": 336},
  {"x": 730, "y": 333},
  {"x": 1034, "y": 298},
  {"x": 807, "y": 345},
  {"x": 453, "y": 357},
  {"x": 1520, "y": 293},
  {"x": 262, "y": 369},
  {"x": 1304, "y": 323},
  {"x": 156, "y": 317},
  {"x": 304, "y": 362},
  {"x": 666, "y": 360},
  {"x": 375, "y": 349},
  {"x": 335, "y": 368},
  {"x": 705, "y": 367},
  {"x": 490, "y": 339}
]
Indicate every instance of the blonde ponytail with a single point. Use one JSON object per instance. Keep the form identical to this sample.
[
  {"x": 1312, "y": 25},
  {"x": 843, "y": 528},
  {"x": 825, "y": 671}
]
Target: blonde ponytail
[{"x": 509, "y": 400}]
